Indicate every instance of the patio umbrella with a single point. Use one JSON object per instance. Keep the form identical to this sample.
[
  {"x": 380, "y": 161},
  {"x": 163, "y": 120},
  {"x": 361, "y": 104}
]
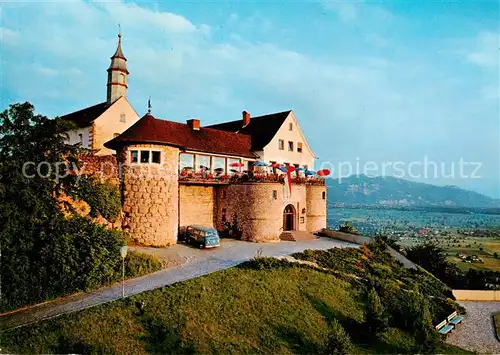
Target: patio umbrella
[
  {"x": 275, "y": 165},
  {"x": 260, "y": 163},
  {"x": 299, "y": 169},
  {"x": 323, "y": 172},
  {"x": 283, "y": 169},
  {"x": 309, "y": 172},
  {"x": 233, "y": 170},
  {"x": 236, "y": 165},
  {"x": 203, "y": 167},
  {"x": 219, "y": 170}
]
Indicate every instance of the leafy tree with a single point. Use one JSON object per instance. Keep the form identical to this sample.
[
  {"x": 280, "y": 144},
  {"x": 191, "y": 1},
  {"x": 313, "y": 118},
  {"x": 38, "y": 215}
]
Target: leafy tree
[
  {"x": 45, "y": 255},
  {"x": 339, "y": 341},
  {"x": 375, "y": 320},
  {"x": 433, "y": 259}
]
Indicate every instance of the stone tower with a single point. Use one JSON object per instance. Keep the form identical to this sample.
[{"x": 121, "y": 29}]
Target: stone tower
[{"x": 117, "y": 74}]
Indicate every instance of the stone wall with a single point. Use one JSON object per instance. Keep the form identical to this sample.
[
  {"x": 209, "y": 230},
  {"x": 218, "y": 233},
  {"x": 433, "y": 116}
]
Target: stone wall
[
  {"x": 150, "y": 197},
  {"x": 259, "y": 208},
  {"x": 197, "y": 205},
  {"x": 476, "y": 295},
  {"x": 316, "y": 208}
]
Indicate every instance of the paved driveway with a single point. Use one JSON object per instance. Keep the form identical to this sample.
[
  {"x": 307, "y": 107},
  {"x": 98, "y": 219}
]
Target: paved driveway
[
  {"x": 192, "y": 263},
  {"x": 476, "y": 333}
]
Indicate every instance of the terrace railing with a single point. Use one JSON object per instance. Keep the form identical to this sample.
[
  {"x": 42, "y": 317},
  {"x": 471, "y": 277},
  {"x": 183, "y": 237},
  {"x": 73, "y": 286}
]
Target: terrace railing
[{"x": 205, "y": 177}]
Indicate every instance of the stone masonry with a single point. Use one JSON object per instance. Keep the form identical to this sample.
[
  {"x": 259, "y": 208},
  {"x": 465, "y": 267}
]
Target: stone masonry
[{"x": 150, "y": 197}]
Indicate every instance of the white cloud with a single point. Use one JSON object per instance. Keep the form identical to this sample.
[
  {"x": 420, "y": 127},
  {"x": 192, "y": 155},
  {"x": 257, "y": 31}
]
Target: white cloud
[{"x": 487, "y": 49}]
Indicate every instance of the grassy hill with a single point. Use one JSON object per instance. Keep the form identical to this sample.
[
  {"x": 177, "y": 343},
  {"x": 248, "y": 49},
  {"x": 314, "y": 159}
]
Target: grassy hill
[{"x": 264, "y": 306}]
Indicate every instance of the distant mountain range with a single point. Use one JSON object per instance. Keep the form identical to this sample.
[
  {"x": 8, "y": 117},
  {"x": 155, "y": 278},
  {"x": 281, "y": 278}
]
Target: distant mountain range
[{"x": 391, "y": 191}]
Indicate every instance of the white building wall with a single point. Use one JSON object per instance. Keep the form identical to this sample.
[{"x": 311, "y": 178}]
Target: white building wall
[
  {"x": 273, "y": 153},
  {"x": 74, "y": 137}
]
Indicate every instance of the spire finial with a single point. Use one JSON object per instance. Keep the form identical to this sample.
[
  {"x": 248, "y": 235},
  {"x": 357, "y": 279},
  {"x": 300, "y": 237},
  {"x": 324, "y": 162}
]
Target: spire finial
[
  {"x": 149, "y": 105},
  {"x": 119, "y": 31}
]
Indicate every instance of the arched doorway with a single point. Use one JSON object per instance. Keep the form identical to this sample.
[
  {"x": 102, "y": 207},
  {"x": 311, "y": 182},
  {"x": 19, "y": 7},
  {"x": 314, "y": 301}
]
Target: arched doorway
[{"x": 289, "y": 218}]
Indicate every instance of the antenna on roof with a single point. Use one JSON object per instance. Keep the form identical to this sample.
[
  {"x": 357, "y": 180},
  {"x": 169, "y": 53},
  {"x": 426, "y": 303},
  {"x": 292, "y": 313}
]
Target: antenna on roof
[{"x": 149, "y": 105}]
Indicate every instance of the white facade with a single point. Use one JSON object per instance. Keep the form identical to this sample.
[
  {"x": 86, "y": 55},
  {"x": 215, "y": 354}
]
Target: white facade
[
  {"x": 80, "y": 135},
  {"x": 290, "y": 138}
]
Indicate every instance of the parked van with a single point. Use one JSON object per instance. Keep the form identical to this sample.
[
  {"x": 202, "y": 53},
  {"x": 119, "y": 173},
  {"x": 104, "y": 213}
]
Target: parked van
[{"x": 204, "y": 237}]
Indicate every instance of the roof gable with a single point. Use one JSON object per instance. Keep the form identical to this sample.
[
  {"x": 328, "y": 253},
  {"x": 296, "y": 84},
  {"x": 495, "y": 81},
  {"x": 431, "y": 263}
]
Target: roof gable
[
  {"x": 262, "y": 129},
  {"x": 152, "y": 130},
  {"x": 84, "y": 117}
]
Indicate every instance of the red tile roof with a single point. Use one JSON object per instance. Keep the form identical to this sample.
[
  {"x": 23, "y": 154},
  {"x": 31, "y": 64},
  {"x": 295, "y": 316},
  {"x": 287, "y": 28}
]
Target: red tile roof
[{"x": 156, "y": 131}]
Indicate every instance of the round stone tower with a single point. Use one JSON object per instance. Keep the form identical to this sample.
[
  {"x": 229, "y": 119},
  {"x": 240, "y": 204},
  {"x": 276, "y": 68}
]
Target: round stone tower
[
  {"x": 315, "y": 207},
  {"x": 150, "y": 192}
]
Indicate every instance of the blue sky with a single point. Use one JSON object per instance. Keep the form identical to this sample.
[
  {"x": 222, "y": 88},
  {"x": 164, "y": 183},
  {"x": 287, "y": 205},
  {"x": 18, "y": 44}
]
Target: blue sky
[{"x": 388, "y": 81}]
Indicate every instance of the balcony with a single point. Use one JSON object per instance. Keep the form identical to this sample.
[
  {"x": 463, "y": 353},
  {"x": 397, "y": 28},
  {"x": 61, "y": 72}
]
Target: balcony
[{"x": 205, "y": 178}]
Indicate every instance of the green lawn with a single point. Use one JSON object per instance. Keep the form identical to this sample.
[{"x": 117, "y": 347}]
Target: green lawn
[
  {"x": 467, "y": 245},
  {"x": 277, "y": 309}
]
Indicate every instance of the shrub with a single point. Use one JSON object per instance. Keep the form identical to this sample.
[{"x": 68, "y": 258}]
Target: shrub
[
  {"x": 348, "y": 228},
  {"x": 375, "y": 320},
  {"x": 103, "y": 198},
  {"x": 138, "y": 264},
  {"x": 338, "y": 341}
]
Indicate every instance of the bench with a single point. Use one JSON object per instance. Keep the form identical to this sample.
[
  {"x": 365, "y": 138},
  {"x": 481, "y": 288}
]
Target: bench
[
  {"x": 444, "y": 328},
  {"x": 454, "y": 319}
]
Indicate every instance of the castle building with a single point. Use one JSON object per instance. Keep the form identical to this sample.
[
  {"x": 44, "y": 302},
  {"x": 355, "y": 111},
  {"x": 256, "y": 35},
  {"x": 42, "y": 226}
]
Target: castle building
[
  {"x": 99, "y": 123},
  {"x": 176, "y": 174}
]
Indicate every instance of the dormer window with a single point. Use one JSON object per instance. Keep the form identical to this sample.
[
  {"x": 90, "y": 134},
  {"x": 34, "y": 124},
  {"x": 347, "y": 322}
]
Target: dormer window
[
  {"x": 290, "y": 146},
  {"x": 122, "y": 117},
  {"x": 299, "y": 147},
  {"x": 290, "y": 126},
  {"x": 281, "y": 144}
]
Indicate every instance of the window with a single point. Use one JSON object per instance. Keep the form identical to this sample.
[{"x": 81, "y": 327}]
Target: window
[
  {"x": 299, "y": 147},
  {"x": 115, "y": 135},
  {"x": 219, "y": 165},
  {"x": 144, "y": 156},
  {"x": 155, "y": 158},
  {"x": 301, "y": 220},
  {"x": 233, "y": 169},
  {"x": 275, "y": 194},
  {"x": 80, "y": 137},
  {"x": 290, "y": 126},
  {"x": 203, "y": 162},
  {"x": 223, "y": 215},
  {"x": 290, "y": 146},
  {"x": 281, "y": 144},
  {"x": 134, "y": 156},
  {"x": 122, "y": 79},
  {"x": 186, "y": 161},
  {"x": 323, "y": 195},
  {"x": 122, "y": 117}
]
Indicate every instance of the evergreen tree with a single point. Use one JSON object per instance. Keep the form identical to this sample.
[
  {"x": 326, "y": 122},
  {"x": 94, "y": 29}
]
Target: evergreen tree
[
  {"x": 339, "y": 341},
  {"x": 376, "y": 320}
]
